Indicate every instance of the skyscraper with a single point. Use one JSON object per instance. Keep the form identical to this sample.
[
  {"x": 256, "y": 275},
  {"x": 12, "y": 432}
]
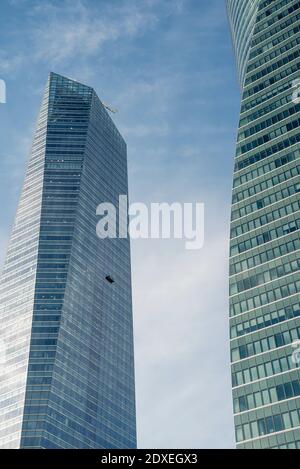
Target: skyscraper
[
  {"x": 265, "y": 223},
  {"x": 67, "y": 364}
]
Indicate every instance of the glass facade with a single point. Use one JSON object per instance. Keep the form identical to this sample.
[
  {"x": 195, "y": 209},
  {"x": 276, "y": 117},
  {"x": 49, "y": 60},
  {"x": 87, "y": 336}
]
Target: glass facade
[
  {"x": 67, "y": 380},
  {"x": 241, "y": 14},
  {"x": 265, "y": 224}
]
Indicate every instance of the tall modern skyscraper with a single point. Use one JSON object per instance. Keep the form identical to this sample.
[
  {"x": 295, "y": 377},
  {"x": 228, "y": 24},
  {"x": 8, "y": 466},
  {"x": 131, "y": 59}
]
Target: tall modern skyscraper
[
  {"x": 265, "y": 224},
  {"x": 67, "y": 364}
]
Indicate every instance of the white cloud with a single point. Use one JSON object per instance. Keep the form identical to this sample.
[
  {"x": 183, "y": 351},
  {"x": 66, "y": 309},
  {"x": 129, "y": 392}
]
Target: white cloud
[
  {"x": 77, "y": 29},
  {"x": 143, "y": 130},
  {"x": 190, "y": 151},
  {"x": 10, "y": 63},
  {"x": 183, "y": 382},
  {"x": 62, "y": 40},
  {"x": 59, "y": 32}
]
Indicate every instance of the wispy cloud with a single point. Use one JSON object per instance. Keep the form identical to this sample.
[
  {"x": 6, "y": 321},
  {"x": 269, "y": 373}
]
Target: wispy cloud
[
  {"x": 82, "y": 31},
  {"x": 142, "y": 131},
  {"x": 59, "y": 31},
  {"x": 183, "y": 372}
]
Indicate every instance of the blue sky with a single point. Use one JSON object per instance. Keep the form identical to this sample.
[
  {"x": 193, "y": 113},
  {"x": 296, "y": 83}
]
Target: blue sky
[{"x": 167, "y": 66}]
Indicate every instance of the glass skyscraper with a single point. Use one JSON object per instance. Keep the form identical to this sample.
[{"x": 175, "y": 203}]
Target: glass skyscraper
[
  {"x": 265, "y": 224},
  {"x": 66, "y": 332}
]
